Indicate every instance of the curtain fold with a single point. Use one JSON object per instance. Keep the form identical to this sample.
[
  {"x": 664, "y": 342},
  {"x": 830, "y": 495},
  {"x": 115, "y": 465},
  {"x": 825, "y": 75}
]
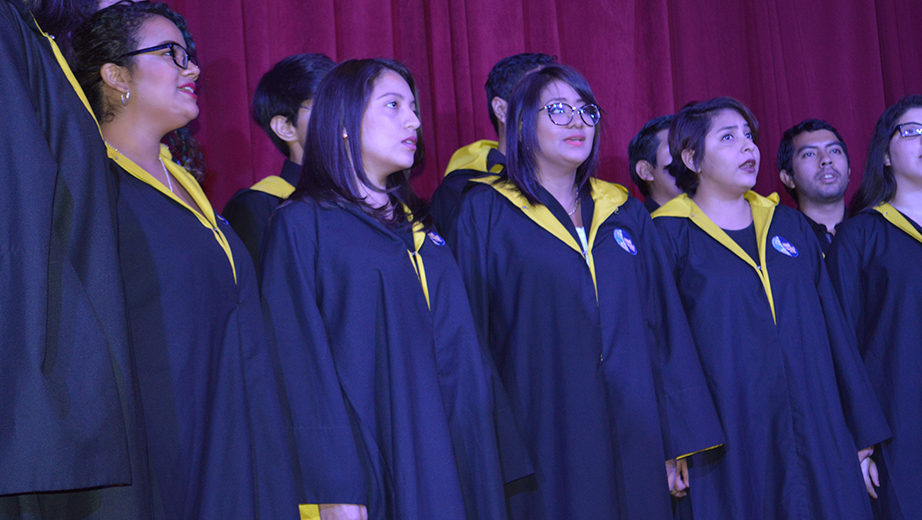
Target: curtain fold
[{"x": 787, "y": 60}]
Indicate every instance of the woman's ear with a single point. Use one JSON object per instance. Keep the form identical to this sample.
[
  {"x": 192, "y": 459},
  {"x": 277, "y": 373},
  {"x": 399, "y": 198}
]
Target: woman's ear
[
  {"x": 688, "y": 157},
  {"x": 115, "y": 77}
]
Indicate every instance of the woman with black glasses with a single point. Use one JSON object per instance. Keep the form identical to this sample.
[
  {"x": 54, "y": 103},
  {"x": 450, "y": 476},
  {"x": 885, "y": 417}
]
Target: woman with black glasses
[
  {"x": 215, "y": 443},
  {"x": 874, "y": 265},
  {"x": 567, "y": 290}
]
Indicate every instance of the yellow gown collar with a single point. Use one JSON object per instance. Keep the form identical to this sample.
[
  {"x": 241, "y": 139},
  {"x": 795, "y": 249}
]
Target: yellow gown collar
[
  {"x": 763, "y": 208},
  {"x": 897, "y": 219},
  {"x": 206, "y": 216},
  {"x": 607, "y": 199}
]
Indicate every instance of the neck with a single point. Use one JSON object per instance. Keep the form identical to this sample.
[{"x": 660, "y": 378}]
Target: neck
[
  {"x": 826, "y": 213},
  {"x": 134, "y": 141},
  {"x": 501, "y": 139},
  {"x": 374, "y": 198},
  {"x": 560, "y": 185},
  {"x": 662, "y": 198},
  {"x": 908, "y": 200},
  {"x": 728, "y": 211},
  {"x": 296, "y": 153}
]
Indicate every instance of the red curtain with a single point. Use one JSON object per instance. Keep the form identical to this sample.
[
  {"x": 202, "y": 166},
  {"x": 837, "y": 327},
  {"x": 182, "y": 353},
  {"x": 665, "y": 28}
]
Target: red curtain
[{"x": 786, "y": 59}]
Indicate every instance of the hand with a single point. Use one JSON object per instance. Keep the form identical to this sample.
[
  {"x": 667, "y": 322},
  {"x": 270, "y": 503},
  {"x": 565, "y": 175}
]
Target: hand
[
  {"x": 677, "y": 477},
  {"x": 343, "y": 512},
  {"x": 869, "y": 471}
]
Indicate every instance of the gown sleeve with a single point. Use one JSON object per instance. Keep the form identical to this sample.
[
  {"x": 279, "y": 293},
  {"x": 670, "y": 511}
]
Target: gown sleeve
[
  {"x": 465, "y": 236},
  {"x": 687, "y": 414},
  {"x": 328, "y": 456},
  {"x": 863, "y": 413}
]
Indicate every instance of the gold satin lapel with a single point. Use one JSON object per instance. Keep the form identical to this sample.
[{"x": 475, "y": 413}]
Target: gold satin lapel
[
  {"x": 419, "y": 238},
  {"x": 763, "y": 209},
  {"x": 206, "y": 216},
  {"x": 471, "y": 157},
  {"x": 607, "y": 198},
  {"x": 539, "y": 214},
  {"x": 275, "y": 186},
  {"x": 69, "y": 74},
  {"x": 897, "y": 219}
]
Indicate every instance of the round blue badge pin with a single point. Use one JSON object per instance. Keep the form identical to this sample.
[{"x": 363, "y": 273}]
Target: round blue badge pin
[
  {"x": 784, "y": 247},
  {"x": 624, "y": 240},
  {"x": 436, "y": 239}
]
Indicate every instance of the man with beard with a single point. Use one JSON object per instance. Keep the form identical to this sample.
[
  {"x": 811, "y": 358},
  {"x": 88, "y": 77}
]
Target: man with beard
[{"x": 814, "y": 168}]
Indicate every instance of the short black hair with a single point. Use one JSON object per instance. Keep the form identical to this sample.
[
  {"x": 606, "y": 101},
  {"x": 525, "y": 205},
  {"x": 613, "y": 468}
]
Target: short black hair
[
  {"x": 282, "y": 90},
  {"x": 507, "y": 72},
  {"x": 786, "y": 147},
  {"x": 643, "y": 148},
  {"x": 689, "y": 129}
]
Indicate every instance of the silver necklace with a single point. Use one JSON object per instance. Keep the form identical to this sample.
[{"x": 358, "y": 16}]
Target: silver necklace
[
  {"x": 165, "y": 172},
  {"x": 575, "y": 206}
]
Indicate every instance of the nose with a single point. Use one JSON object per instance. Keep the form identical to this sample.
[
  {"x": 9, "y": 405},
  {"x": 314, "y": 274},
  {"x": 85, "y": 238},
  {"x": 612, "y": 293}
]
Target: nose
[
  {"x": 748, "y": 145},
  {"x": 576, "y": 121},
  {"x": 825, "y": 158},
  {"x": 192, "y": 71},
  {"x": 412, "y": 121}
]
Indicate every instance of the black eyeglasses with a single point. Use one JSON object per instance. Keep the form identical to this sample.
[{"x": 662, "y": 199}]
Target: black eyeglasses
[
  {"x": 909, "y": 129},
  {"x": 561, "y": 114},
  {"x": 179, "y": 54}
]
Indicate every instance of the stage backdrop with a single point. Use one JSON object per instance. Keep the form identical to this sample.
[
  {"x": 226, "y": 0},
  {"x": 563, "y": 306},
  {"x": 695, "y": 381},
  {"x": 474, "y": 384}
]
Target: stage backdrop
[{"x": 842, "y": 61}]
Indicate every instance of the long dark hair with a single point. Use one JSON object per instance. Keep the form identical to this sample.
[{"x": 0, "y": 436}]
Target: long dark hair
[
  {"x": 105, "y": 38},
  {"x": 689, "y": 128},
  {"x": 522, "y": 129},
  {"x": 878, "y": 184},
  {"x": 333, "y": 173}
]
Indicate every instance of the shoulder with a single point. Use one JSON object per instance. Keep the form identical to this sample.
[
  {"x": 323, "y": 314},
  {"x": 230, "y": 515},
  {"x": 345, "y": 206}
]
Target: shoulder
[
  {"x": 471, "y": 157},
  {"x": 859, "y": 227},
  {"x": 791, "y": 217},
  {"x": 246, "y": 197},
  {"x": 298, "y": 213},
  {"x": 479, "y": 193}
]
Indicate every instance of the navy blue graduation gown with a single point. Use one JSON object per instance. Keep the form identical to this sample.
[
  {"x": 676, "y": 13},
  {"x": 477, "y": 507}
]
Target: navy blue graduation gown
[
  {"x": 249, "y": 209},
  {"x": 874, "y": 265},
  {"x": 217, "y": 439},
  {"x": 66, "y": 394},
  {"x": 388, "y": 388},
  {"x": 582, "y": 350},
  {"x": 793, "y": 397},
  {"x": 474, "y": 160}
]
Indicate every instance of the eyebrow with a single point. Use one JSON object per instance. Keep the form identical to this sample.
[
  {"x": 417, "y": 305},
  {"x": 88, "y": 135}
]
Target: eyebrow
[
  {"x": 732, "y": 127},
  {"x": 395, "y": 94},
  {"x": 840, "y": 144},
  {"x": 564, "y": 100},
  {"x": 165, "y": 42}
]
